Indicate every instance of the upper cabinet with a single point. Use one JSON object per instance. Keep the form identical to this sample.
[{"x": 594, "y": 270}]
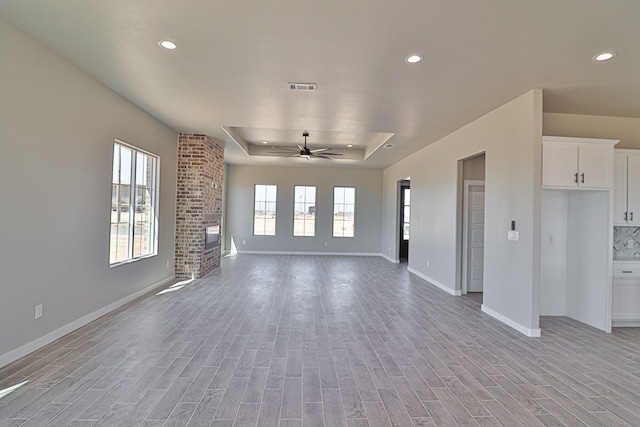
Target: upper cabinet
[
  {"x": 626, "y": 188},
  {"x": 585, "y": 163}
]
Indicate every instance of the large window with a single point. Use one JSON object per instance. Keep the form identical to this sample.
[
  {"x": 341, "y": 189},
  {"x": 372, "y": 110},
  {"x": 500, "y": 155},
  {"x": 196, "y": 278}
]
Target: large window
[
  {"x": 344, "y": 211},
  {"x": 264, "y": 211},
  {"x": 134, "y": 223},
  {"x": 304, "y": 211}
]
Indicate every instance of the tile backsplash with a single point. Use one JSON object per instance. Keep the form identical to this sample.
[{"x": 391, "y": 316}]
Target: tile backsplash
[{"x": 622, "y": 236}]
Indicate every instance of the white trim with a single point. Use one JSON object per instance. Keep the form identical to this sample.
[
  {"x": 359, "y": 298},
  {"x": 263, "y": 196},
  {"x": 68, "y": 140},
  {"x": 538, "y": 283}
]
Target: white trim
[
  {"x": 38, "y": 343},
  {"x": 533, "y": 333},
  {"x": 622, "y": 323},
  {"x": 388, "y": 258},
  {"x": 455, "y": 292},
  {"x": 579, "y": 140},
  {"x": 310, "y": 253}
]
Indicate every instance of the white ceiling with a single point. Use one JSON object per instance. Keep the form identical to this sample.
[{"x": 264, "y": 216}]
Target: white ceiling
[{"x": 236, "y": 58}]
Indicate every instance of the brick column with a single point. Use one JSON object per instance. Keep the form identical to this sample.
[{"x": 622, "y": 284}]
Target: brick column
[{"x": 199, "y": 203}]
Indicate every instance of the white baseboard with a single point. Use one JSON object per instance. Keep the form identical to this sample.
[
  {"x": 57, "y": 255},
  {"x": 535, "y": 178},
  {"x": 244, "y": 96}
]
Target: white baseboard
[
  {"x": 310, "y": 253},
  {"x": 533, "y": 333},
  {"x": 455, "y": 292},
  {"x": 624, "y": 323},
  {"x": 395, "y": 261},
  {"x": 38, "y": 343}
]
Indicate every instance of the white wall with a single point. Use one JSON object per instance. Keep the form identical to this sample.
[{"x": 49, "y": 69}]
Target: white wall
[
  {"x": 553, "y": 258},
  {"x": 240, "y": 181},
  {"x": 511, "y": 137},
  {"x": 589, "y": 247},
  {"x": 57, "y": 127}
]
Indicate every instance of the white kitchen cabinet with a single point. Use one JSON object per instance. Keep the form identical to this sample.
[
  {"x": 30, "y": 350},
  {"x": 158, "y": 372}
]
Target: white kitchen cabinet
[
  {"x": 626, "y": 293},
  {"x": 583, "y": 163},
  {"x": 626, "y": 187}
]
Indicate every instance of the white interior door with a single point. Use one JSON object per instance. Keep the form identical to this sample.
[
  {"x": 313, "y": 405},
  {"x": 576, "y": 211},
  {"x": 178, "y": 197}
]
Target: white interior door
[{"x": 475, "y": 238}]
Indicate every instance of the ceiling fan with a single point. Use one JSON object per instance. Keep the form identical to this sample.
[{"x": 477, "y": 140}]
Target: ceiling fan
[{"x": 304, "y": 151}]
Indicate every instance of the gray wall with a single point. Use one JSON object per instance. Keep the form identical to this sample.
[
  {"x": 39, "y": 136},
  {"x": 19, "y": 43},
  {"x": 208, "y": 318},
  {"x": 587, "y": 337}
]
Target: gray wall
[
  {"x": 57, "y": 127},
  {"x": 511, "y": 138},
  {"x": 240, "y": 181}
]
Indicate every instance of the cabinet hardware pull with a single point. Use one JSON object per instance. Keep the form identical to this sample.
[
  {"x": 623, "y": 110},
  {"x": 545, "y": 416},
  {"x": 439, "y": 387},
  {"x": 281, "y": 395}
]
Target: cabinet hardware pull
[
  {"x": 582, "y": 178},
  {"x": 627, "y": 271},
  {"x": 575, "y": 178},
  {"x": 625, "y": 216}
]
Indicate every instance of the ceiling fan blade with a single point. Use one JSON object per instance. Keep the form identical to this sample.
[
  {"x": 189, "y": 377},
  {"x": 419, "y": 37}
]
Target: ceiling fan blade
[
  {"x": 320, "y": 150},
  {"x": 321, "y": 156},
  {"x": 331, "y": 154},
  {"x": 300, "y": 147},
  {"x": 293, "y": 155}
]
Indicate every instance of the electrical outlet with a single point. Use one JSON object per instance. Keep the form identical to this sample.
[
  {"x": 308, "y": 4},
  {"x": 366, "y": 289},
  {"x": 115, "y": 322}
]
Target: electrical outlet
[
  {"x": 326, "y": 244},
  {"x": 427, "y": 263},
  {"x": 38, "y": 311},
  {"x": 630, "y": 244},
  {"x": 244, "y": 242},
  {"x": 168, "y": 264}
]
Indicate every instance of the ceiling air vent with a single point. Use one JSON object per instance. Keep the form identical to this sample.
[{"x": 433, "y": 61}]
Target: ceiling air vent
[
  {"x": 388, "y": 145},
  {"x": 305, "y": 87}
]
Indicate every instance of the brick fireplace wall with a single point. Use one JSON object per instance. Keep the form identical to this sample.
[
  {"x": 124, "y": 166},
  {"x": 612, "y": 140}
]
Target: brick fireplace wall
[{"x": 199, "y": 204}]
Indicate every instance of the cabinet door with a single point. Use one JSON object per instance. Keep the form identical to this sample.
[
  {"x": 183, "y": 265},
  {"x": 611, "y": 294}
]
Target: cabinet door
[
  {"x": 620, "y": 188},
  {"x": 633, "y": 189},
  {"x": 595, "y": 166},
  {"x": 559, "y": 164}
]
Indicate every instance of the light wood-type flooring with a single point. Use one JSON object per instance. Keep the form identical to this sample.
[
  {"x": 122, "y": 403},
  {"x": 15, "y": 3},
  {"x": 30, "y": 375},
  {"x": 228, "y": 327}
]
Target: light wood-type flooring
[{"x": 269, "y": 340}]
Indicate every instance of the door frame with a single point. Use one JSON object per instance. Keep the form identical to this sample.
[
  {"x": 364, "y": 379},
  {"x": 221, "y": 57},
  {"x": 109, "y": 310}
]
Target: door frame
[{"x": 465, "y": 229}]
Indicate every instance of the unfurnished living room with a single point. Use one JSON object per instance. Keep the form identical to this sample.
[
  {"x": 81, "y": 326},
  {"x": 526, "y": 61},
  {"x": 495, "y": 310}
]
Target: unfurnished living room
[{"x": 341, "y": 213}]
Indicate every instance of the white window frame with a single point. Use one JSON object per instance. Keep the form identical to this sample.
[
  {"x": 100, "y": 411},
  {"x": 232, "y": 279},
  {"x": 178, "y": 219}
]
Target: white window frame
[
  {"x": 333, "y": 223},
  {"x": 132, "y": 205},
  {"x": 275, "y": 202},
  {"x": 304, "y": 221}
]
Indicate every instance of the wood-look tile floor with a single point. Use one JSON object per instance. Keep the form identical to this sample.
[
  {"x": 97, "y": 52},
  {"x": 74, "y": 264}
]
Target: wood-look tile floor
[{"x": 312, "y": 341}]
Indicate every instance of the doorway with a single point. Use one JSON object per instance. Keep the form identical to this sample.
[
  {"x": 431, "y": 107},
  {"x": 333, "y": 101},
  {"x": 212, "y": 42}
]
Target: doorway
[
  {"x": 472, "y": 198},
  {"x": 405, "y": 220}
]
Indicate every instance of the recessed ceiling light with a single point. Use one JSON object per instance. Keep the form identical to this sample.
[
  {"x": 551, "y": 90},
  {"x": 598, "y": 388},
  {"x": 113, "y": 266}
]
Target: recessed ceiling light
[
  {"x": 604, "y": 56},
  {"x": 168, "y": 44},
  {"x": 349, "y": 145},
  {"x": 413, "y": 59},
  {"x": 265, "y": 142}
]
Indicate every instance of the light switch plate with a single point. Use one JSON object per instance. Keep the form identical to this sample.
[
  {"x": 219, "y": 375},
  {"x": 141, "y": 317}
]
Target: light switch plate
[{"x": 513, "y": 235}]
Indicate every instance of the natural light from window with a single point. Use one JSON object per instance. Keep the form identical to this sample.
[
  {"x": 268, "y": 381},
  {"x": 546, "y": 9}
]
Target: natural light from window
[
  {"x": 344, "y": 211},
  {"x": 406, "y": 214},
  {"x": 264, "y": 211},
  {"x": 133, "y": 204},
  {"x": 304, "y": 211}
]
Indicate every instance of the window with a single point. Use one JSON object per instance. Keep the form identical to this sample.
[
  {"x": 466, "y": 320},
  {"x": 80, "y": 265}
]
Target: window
[
  {"x": 304, "y": 211},
  {"x": 344, "y": 211},
  {"x": 264, "y": 211},
  {"x": 134, "y": 232},
  {"x": 406, "y": 213}
]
